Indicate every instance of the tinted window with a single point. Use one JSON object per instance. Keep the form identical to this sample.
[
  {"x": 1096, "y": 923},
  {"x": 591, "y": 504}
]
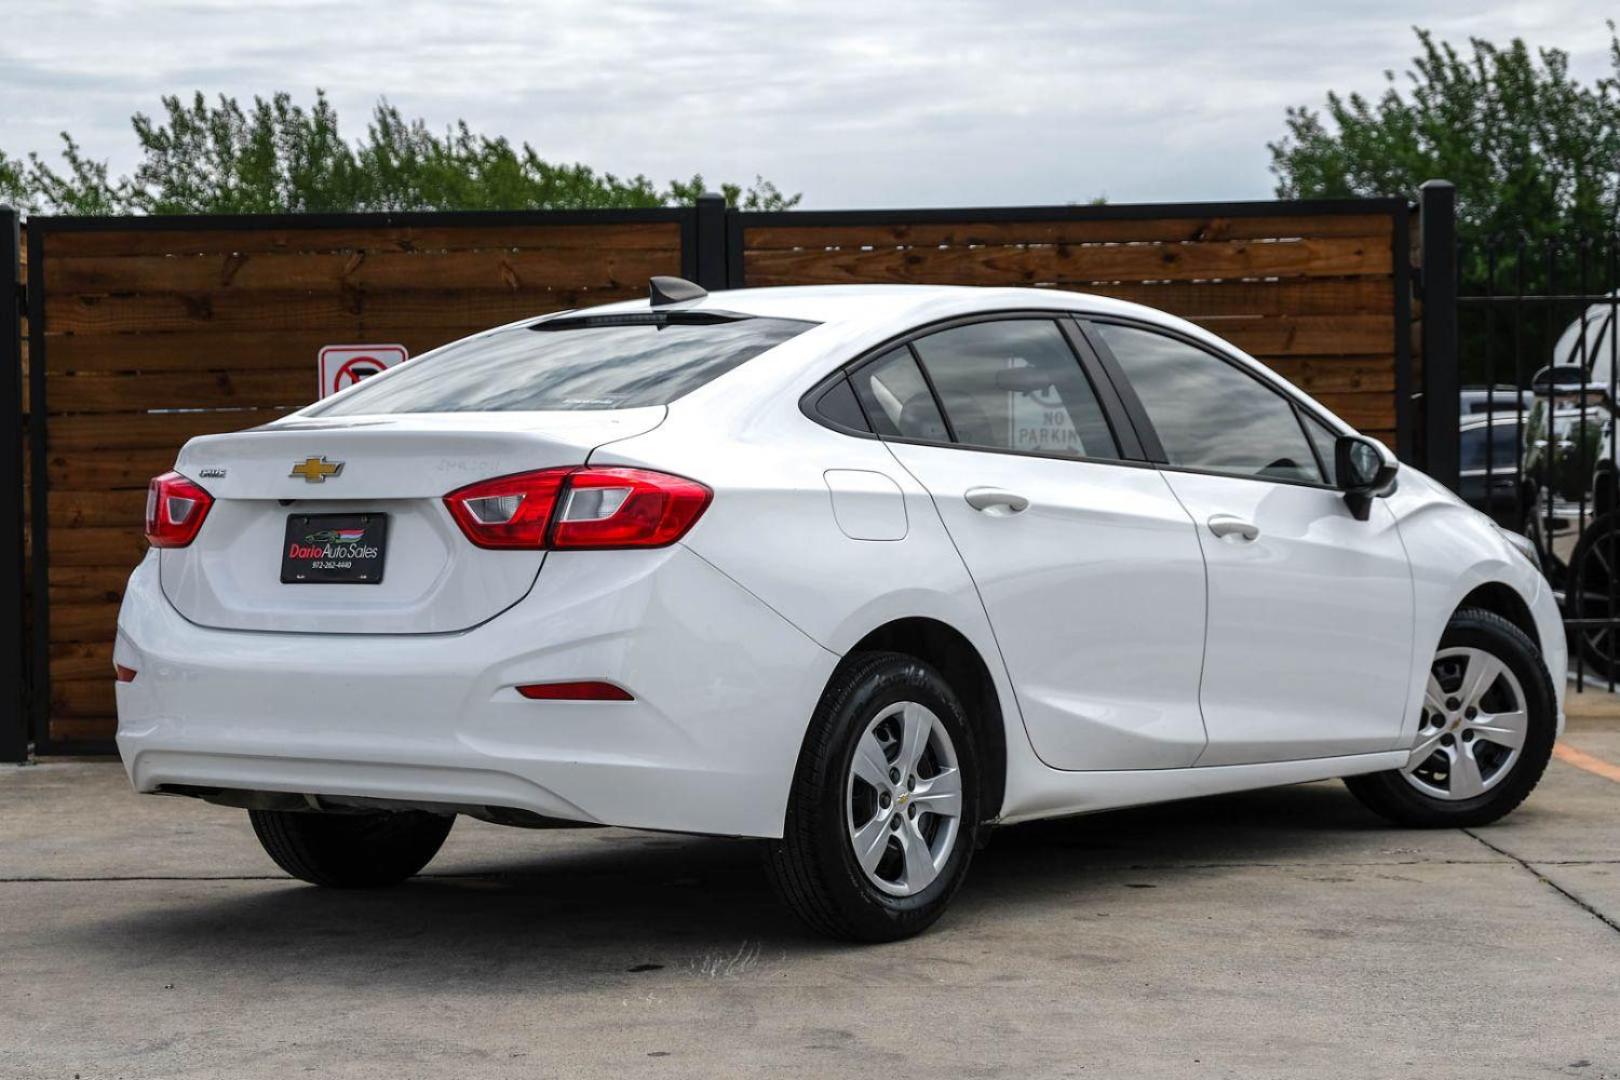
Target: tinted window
[
  {"x": 577, "y": 363},
  {"x": 1209, "y": 414},
  {"x": 837, "y": 405},
  {"x": 1503, "y": 448},
  {"x": 1016, "y": 385},
  {"x": 897, "y": 399}
]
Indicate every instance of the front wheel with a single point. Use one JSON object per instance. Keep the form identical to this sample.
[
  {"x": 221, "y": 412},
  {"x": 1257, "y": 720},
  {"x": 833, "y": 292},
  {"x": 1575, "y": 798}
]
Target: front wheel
[
  {"x": 883, "y": 814},
  {"x": 1489, "y": 721}
]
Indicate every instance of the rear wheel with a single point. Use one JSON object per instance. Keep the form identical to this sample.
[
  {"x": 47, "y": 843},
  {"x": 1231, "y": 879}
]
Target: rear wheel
[
  {"x": 351, "y": 850},
  {"x": 884, "y": 809},
  {"x": 1592, "y": 593},
  {"x": 1489, "y": 720}
]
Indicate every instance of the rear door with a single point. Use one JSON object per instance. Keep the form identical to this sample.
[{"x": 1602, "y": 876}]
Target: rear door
[
  {"x": 1087, "y": 566},
  {"x": 1310, "y": 621}
]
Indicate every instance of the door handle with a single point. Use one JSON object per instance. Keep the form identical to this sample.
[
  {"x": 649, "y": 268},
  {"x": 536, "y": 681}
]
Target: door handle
[
  {"x": 1224, "y": 525},
  {"x": 995, "y": 502}
]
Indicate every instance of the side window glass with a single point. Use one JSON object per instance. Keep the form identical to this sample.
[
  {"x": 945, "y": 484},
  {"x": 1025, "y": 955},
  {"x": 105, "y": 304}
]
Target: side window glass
[
  {"x": 837, "y": 405},
  {"x": 1209, "y": 414},
  {"x": 1016, "y": 384},
  {"x": 897, "y": 399},
  {"x": 1325, "y": 439}
]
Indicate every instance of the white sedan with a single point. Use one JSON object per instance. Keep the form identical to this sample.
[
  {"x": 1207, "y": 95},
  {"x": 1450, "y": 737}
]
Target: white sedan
[{"x": 861, "y": 571}]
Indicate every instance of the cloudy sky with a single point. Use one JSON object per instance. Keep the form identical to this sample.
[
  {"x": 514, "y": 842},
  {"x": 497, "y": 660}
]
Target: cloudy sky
[{"x": 944, "y": 102}]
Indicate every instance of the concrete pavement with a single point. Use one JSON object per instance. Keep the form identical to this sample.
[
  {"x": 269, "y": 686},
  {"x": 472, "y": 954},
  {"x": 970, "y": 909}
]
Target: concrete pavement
[{"x": 1285, "y": 933}]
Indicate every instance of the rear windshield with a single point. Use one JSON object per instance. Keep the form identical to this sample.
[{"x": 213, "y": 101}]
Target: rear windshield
[{"x": 574, "y": 362}]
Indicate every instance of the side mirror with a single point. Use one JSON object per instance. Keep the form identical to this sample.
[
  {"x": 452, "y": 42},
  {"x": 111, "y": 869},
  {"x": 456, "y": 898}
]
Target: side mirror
[{"x": 1365, "y": 471}]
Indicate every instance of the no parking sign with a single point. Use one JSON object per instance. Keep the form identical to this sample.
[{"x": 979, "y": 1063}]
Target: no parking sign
[{"x": 342, "y": 366}]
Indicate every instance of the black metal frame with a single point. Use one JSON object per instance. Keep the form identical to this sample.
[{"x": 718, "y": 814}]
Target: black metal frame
[{"x": 14, "y": 713}]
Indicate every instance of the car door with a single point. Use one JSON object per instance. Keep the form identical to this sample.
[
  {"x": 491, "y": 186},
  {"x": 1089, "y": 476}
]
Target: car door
[
  {"x": 1088, "y": 567},
  {"x": 1308, "y": 644}
]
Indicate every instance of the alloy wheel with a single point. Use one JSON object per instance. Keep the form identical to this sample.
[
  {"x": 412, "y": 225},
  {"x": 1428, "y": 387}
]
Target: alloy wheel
[
  {"x": 1474, "y": 726},
  {"x": 903, "y": 798}
]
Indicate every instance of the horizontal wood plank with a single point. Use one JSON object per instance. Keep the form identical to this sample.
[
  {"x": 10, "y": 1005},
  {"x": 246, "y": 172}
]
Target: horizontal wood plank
[
  {"x": 210, "y": 350},
  {"x": 147, "y": 431},
  {"x": 110, "y": 547},
  {"x": 95, "y": 621},
  {"x": 371, "y": 316},
  {"x": 84, "y": 699},
  {"x": 510, "y": 271},
  {"x": 109, "y": 471},
  {"x": 954, "y": 234},
  {"x": 68, "y": 730},
  {"x": 87, "y": 584},
  {"x": 405, "y": 239},
  {"x": 82, "y": 660},
  {"x": 1009, "y": 266},
  {"x": 1306, "y": 335},
  {"x": 180, "y": 390}
]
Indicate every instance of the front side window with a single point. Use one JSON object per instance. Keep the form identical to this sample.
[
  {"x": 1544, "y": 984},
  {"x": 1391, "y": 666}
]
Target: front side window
[
  {"x": 1015, "y": 384},
  {"x": 1208, "y": 413},
  {"x": 570, "y": 363}
]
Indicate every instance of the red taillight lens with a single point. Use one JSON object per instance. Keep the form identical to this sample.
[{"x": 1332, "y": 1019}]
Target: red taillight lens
[
  {"x": 175, "y": 508},
  {"x": 578, "y": 507},
  {"x": 619, "y": 508},
  {"x": 509, "y": 511},
  {"x": 575, "y": 691}
]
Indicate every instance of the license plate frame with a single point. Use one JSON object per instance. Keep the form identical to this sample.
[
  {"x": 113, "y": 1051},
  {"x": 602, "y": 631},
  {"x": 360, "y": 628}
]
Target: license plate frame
[{"x": 317, "y": 550}]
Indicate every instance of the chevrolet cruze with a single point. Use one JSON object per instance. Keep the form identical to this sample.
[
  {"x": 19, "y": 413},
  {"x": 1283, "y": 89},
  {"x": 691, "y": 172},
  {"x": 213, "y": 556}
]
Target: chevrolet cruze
[{"x": 857, "y": 571}]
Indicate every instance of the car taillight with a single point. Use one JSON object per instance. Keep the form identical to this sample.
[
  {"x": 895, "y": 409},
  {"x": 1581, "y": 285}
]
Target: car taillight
[
  {"x": 175, "y": 508},
  {"x": 619, "y": 508},
  {"x": 509, "y": 511},
  {"x": 578, "y": 507}
]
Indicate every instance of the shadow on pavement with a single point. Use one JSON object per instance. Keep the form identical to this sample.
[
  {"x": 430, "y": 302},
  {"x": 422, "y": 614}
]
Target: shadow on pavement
[{"x": 614, "y": 902}]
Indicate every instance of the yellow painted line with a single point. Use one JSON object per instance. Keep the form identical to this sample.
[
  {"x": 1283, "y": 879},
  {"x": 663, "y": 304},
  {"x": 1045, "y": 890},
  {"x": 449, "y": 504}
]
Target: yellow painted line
[{"x": 1582, "y": 760}]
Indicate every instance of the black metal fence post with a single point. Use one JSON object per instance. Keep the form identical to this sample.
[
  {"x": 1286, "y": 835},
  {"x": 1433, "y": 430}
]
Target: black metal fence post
[
  {"x": 1437, "y": 206},
  {"x": 14, "y": 704},
  {"x": 711, "y": 241}
]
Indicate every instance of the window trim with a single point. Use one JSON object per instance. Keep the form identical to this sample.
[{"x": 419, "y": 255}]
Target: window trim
[
  {"x": 1108, "y": 400},
  {"x": 1150, "y": 435}
]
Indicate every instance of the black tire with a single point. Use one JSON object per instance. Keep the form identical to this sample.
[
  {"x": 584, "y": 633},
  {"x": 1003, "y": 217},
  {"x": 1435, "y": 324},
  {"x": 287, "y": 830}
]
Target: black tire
[
  {"x": 813, "y": 867},
  {"x": 1591, "y": 592},
  {"x": 351, "y": 850},
  {"x": 1392, "y": 796}
]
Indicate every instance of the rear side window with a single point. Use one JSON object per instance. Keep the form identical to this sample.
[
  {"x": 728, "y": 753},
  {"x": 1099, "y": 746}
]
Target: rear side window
[
  {"x": 896, "y": 398},
  {"x": 1015, "y": 384},
  {"x": 1208, "y": 414},
  {"x": 577, "y": 362}
]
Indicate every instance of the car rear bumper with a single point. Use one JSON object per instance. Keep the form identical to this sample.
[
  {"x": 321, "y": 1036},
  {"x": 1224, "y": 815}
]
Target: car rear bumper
[{"x": 723, "y": 688}]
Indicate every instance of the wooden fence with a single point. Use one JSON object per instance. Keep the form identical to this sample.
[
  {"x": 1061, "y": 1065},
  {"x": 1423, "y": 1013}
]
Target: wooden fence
[
  {"x": 153, "y": 331},
  {"x": 1311, "y": 294},
  {"x": 145, "y": 332}
]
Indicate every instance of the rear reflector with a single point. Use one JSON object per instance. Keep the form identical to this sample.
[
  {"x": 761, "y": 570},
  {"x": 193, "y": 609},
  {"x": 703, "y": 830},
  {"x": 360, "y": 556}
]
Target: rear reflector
[
  {"x": 175, "y": 509},
  {"x": 579, "y": 507},
  {"x": 575, "y": 691},
  {"x": 123, "y": 674}
]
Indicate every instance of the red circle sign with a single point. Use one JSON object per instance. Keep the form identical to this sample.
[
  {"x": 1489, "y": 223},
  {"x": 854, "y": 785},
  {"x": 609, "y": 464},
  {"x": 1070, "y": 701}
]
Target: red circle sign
[{"x": 355, "y": 369}]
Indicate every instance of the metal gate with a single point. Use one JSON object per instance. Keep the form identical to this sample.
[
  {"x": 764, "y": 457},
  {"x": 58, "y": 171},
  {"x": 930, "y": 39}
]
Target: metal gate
[{"x": 1537, "y": 327}]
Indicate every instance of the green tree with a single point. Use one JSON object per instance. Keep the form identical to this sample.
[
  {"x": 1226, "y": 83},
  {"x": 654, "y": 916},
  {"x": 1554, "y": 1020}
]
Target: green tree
[
  {"x": 279, "y": 157},
  {"x": 1535, "y": 155}
]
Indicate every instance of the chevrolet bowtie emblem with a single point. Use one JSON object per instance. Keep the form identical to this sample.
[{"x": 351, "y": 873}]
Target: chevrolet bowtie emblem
[{"x": 315, "y": 470}]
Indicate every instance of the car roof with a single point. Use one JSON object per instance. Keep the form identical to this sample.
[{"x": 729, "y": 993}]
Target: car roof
[{"x": 862, "y": 303}]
